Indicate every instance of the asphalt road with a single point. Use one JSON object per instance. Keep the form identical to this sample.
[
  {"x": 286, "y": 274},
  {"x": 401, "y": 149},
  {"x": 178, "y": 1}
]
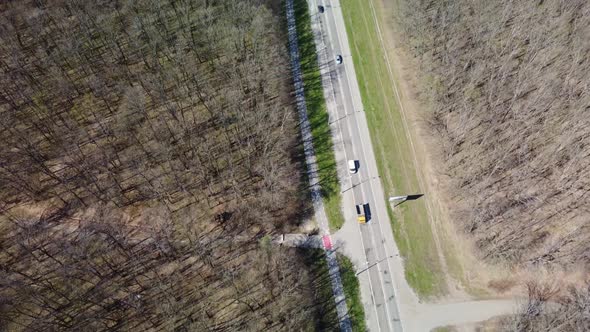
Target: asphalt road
[{"x": 345, "y": 106}]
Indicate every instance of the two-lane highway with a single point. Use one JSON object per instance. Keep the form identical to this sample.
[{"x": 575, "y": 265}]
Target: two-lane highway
[
  {"x": 384, "y": 290},
  {"x": 346, "y": 108}
]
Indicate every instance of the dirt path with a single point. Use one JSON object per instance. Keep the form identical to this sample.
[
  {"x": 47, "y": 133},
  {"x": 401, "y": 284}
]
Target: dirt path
[{"x": 431, "y": 316}]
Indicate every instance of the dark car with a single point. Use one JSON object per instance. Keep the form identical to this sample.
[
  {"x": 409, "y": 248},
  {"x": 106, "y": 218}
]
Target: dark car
[
  {"x": 363, "y": 213},
  {"x": 360, "y": 214},
  {"x": 321, "y": 9}
]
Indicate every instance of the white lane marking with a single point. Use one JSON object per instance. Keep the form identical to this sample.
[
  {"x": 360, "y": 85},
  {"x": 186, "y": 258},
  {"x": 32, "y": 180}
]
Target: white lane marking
[
  {"x": 383, "y": 285},
  {"x": 333, "y": 95},
  {"x": 375, "y": 197}
]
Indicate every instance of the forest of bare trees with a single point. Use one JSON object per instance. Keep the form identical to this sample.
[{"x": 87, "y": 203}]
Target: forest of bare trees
[
  {"x": 139, "y": 140},
  {"x": 508, "y": 82},
  {"x": 100, "y": 274},
  {"x": 547, "y": 310},
  {"x": 508, "y": 85}
]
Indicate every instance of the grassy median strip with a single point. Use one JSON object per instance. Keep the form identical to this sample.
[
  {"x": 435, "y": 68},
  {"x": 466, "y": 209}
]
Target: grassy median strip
[
  {"x": 410, "y": 222},
  {"x": 318, "y": 117},
  {"x": 352, "y": 292}
]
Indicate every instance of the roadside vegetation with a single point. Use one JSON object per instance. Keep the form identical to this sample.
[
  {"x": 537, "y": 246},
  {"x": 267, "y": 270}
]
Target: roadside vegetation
[
  {"x": 552, "y": 307},
  {"x": 444, "y": 329},
  {"x": 352, "y": 292},
  {"x": 506, "y": 85},
  {"x": 507, "y": 81},
  {"x": 147, "y": 147},
  {"x": 410, "y": 223},
  {"x": 318, "y": 117},
  {"x": 326, "y": 316},
  {"x": 506, "y": 88}
]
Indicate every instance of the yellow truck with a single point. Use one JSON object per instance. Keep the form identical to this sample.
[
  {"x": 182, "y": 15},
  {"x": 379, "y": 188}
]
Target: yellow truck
[{"x": 362, "y": 214}]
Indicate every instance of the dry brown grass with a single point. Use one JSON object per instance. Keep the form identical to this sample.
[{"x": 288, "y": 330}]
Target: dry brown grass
[{"x": 506, "y": 82}]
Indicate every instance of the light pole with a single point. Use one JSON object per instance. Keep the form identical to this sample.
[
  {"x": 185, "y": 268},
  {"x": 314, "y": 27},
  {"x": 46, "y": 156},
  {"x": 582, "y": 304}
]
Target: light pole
[{"x": 370, "y": 266}]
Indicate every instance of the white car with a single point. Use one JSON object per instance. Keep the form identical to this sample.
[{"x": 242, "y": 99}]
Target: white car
[
  {"x": 339, "y": 59},
  {"x": 353, "y": 166}
]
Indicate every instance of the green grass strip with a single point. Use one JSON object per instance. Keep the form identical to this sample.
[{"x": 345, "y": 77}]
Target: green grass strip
[
  {"x": 410, "y": 223},
  {"x": 352, "y": 292},
  {"x": 318, "y": 117}
]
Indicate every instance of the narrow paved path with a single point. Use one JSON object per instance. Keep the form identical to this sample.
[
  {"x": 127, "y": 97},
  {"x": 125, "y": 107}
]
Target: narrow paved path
[
  {"x": 312, "y": 169},
  {"x": 298, "y": 240},
  {"x": 429, "y": 316}
]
